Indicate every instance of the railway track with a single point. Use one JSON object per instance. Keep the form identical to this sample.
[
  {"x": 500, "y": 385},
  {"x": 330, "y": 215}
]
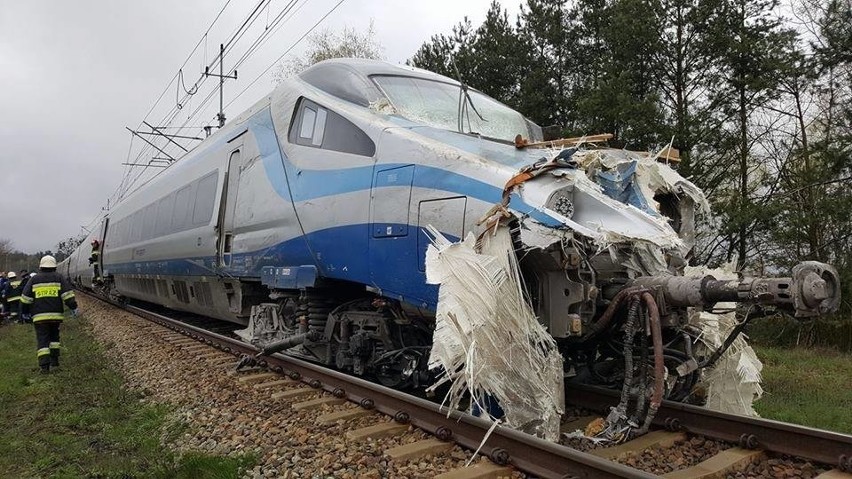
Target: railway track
[{"x": 728, "y": 445}]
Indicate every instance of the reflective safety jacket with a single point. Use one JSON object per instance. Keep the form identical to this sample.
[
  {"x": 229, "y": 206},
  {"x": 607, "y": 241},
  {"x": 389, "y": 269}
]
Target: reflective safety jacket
[
  {"x": 12, "y": 291},
  {"x": 44, "y": 295}
]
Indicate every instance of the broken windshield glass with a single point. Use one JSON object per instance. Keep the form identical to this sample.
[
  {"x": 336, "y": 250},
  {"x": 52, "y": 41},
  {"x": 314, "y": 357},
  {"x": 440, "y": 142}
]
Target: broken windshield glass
[{"x": 437, "y": 104}]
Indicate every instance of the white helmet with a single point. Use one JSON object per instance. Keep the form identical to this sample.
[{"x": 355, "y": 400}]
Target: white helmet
[
  {"x": 11, "y": 275},
  {"x": 47, "y": 262}
]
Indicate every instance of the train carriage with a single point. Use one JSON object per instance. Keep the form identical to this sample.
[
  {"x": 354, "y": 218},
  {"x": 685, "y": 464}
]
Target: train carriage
[{"x": 312, "y": 206}]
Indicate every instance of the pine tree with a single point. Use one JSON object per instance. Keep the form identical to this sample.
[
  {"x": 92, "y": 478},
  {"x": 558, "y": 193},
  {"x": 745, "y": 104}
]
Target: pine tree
[
  {"x": 547, "y": 42},
  {"x": 685, "y": 70},
  {"x": 751, "y": 42},
  {"x": 619, "y": 93}
]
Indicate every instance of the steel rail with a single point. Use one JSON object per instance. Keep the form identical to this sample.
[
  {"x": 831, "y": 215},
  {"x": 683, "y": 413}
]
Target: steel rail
[
  {"x": 504, "y": 446},
  {"x": 747, "y": 432}
]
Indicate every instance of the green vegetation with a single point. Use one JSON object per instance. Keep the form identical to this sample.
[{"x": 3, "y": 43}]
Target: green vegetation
[
  {"x": 786, "y": 332},
  {"x": 807, "y": 386},
  {"x": 81, "y": 422},
  {"x": 759, "y": 105}
]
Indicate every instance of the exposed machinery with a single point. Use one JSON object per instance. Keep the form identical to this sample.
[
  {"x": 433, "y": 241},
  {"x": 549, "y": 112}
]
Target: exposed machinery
[{"x": 304, "y": 219}]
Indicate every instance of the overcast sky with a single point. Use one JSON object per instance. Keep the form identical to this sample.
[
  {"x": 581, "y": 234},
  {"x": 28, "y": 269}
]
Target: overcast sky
[{"x": 74, "y": 74}]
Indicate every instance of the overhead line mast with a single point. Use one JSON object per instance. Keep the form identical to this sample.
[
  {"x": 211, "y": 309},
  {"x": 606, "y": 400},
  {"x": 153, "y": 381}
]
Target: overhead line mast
[{"x": 222, "y": 77}]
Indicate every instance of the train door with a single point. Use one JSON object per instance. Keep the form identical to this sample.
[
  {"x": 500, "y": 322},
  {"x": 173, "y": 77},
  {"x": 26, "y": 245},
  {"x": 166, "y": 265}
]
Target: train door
[
  {"x": 99, "y": 260},
  {"x": 230, "y": 189},
  {"x": 392, "y": 253}
]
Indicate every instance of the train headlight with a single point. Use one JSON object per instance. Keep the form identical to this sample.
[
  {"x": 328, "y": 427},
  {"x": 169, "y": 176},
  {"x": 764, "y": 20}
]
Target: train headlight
[{"x": 562, "y": 202}]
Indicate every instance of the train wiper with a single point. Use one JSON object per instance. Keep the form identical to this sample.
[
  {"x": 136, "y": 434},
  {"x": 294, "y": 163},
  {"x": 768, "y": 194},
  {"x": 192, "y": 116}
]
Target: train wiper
[{"x": 464, "y": 100}]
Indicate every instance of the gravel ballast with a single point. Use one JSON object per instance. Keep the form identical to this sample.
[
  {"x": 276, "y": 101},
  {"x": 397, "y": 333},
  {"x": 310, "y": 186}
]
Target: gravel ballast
[{"x": 227, "y": 417}]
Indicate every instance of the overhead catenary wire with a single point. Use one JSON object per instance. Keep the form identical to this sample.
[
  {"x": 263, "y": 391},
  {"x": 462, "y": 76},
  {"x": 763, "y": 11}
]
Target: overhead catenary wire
[
  {"x": 200, "y": 41},
  {"x": 289, "y": 10},
  {"x": 315, "y": 25},
  {"x": 117, "y": 193},
  {"x": 194, "y": 89},
  {"x": 277, "y": 23}
]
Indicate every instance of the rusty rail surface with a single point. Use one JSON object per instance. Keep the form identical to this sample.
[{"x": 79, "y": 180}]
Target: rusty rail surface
[
  {"x": 504, "y": 446},
  {"x": 747, "y": 432}
]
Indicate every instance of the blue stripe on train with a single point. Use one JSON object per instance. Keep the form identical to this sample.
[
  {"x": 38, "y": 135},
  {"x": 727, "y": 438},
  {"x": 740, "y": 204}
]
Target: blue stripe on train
[
  {"x": 391, "y": 264},
  {"x": 310, "y": 184}
]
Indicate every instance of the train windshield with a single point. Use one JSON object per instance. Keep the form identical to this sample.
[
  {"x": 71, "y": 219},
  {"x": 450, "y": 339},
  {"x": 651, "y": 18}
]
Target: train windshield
[{"x": 443, "y": 105}]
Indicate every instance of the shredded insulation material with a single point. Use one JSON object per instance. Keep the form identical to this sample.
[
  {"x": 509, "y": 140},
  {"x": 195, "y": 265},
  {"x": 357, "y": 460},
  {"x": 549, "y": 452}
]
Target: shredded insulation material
[
  {"x": 733, "y": 384},
  {"x": 487, "y": 339},
  {"x": 652, "y": 176},
  {"x": 609, "y": 220}
]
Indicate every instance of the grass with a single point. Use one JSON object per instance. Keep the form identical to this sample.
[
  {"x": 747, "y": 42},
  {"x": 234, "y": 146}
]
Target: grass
[
  {"x": 810, "y": 387},
  {"x": 81, "y": 423}
]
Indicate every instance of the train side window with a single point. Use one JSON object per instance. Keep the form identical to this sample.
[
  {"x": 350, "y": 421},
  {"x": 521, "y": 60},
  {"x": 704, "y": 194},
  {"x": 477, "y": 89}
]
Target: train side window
[
  {"x": 149, "y": 221},
  {"x": 180, "y": 220},
  {"x": 205, "y": 196},
  {"x": 164, "y": 214},
  {"x": 122, "y": 232},
  {"x": 319, "y": 127},
  {"x": 136, "y": 230}
]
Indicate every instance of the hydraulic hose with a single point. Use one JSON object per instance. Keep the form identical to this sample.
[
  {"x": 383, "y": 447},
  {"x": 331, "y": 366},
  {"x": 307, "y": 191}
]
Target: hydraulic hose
[{"x": 659, "y": 362}]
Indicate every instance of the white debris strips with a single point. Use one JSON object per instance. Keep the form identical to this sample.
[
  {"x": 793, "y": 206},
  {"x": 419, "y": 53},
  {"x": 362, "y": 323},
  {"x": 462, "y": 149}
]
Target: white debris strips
[
  {"x": 733, "y": 384},
  {"x": 487, "y": 340},
  {"x": 615, "y": 193},
  {"x": 652, "y": 176}
]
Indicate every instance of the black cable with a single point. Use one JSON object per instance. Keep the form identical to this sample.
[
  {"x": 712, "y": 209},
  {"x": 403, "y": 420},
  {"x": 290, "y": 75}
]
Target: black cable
[
  {"x": 287, "y": 51},
  {"x": 256, "y": 44}
]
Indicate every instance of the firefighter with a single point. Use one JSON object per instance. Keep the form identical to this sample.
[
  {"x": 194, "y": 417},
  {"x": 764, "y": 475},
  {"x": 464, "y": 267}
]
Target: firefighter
[
  {"x": 43, "y": 299},
  {"x": 12, "y": 295},
  {"x": 94, "y": 260},
  {"x": 3, "y": 281}
]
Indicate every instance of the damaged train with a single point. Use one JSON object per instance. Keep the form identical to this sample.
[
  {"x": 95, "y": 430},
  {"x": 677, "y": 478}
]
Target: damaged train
[{"x": 306, "y": 219}]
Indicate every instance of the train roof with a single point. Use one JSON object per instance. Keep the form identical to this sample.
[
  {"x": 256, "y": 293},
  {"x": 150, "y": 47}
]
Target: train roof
[{"x": 349, "y": 78}]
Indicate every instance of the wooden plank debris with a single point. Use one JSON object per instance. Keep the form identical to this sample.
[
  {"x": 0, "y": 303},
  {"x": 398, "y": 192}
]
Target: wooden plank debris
[{"x": 521, "y": 142}]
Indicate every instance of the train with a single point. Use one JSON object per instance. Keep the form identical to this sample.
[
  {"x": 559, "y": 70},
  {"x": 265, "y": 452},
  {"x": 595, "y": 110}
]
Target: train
[{"x": 305, "y": 219}]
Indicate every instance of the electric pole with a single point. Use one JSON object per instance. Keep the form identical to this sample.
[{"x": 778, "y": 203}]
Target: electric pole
[{"x": 222, "y": 77}]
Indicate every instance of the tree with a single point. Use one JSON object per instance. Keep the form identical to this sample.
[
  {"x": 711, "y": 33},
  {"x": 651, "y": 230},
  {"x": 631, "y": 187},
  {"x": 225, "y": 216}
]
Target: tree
[
  {"x": 685, "y": 69},
  {"x": 486, "y": 58},
  {"x": 6, "y": 249},
  {"x": 5, "y": 246},
  {"x": 328, "y": 44},
  {"x": 550, "y": 48},
  {"x": 619, "y": 92},
  {"x": 751, "y": 44},
  {"x": 67, "y": 246},
  {"x": 813, "y": 200},
  {"x": 442, "y": 54}
]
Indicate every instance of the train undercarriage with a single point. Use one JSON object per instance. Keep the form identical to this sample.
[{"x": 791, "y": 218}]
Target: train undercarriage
[
  {"x": 610, "y": 327},
  {"x": 342, "y": 327}
]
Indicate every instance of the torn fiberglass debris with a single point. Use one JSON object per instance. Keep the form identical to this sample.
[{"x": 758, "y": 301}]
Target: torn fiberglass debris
[
  {"x": 617, "y": 196},
  {"x": 586, "y": 277},
  {"x": 487, "y": 340}
]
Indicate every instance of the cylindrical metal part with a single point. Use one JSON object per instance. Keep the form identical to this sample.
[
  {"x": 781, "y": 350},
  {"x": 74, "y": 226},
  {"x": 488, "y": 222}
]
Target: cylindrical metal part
[
  {"x": 287, "y": 343},
  {"x": 814, "y": 289},
  {"x": 678, "y": 290}
]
